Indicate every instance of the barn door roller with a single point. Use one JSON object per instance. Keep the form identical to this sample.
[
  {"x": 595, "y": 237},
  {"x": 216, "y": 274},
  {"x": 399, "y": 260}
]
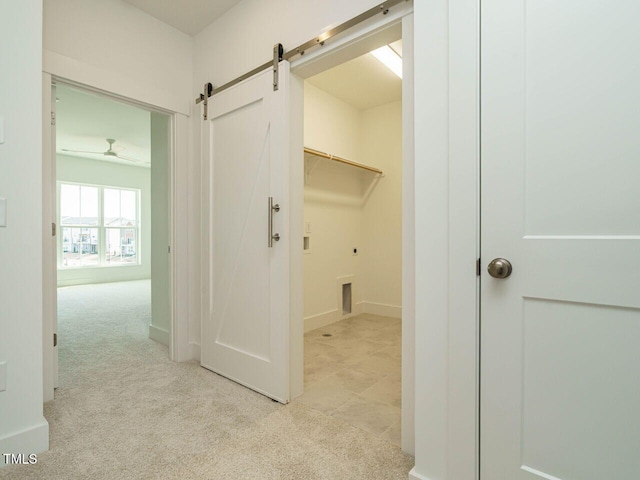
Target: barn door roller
[
  {"x": 278, "y": 50},
  {"x": 279, "y": 53},
  {"x": 204, "y": 98}
]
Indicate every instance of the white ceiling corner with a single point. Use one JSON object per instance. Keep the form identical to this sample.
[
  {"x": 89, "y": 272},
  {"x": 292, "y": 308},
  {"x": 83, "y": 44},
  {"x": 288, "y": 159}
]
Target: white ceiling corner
[
  {"x": 397, "y": 47},
  {"x": 188, "y": 16},
  {"x": 363, "y": 82}
]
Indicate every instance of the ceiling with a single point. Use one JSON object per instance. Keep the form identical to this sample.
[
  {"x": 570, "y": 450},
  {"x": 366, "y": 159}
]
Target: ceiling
[
  {"x": 188, "y": 16},
  {"x": 363, "y": 82},
  {"x": 85, "y": 120}
]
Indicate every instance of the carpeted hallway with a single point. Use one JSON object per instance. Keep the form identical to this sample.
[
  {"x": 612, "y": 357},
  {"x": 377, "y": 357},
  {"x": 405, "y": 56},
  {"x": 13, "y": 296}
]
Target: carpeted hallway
[{"x": 124, "y": 411}]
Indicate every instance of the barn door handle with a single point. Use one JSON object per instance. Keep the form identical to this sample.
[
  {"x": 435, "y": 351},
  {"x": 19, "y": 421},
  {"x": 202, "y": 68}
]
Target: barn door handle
[{"x": 272, "y": 209}]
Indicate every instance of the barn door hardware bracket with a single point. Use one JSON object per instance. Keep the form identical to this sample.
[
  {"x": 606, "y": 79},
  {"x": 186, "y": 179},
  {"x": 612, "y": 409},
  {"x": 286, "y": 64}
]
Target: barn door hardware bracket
[
  {"x": 204, "y": 98},
  {"x": 278, "y": 51}
]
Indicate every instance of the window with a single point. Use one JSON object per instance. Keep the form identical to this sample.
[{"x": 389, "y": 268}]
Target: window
[{"x": 99, "y": 226}]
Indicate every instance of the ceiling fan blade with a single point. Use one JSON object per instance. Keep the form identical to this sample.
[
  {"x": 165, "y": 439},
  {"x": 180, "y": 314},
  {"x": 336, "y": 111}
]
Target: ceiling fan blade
[
  {"x": 135, "y": 160},
  {"x": 80, "y": 151}
]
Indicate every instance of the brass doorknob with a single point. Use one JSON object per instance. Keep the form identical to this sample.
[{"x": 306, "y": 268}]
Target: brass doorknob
[{"x": 499, "y": 268}]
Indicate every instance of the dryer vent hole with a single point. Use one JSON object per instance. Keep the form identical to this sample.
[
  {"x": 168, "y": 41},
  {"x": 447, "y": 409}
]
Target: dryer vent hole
[{"x": 346, "y": 299}]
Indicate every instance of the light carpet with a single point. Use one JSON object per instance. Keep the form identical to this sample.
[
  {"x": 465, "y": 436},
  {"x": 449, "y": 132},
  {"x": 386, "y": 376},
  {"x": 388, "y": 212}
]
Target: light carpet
[{"x": 124, "y": 411}]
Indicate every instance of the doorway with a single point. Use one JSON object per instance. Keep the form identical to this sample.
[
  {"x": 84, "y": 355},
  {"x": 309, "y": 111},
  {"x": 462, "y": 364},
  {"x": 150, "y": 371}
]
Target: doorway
[
  {"x": 111, "y": 167},
  {"x": 352, "y": 241}
]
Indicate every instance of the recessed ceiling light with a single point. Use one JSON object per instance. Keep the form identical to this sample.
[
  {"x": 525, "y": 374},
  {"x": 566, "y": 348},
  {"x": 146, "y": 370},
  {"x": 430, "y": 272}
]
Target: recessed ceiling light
[{"x": 389, "y": 58}]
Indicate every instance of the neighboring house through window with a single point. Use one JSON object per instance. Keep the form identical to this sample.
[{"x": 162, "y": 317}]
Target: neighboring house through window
[{"x": 99, "y": 226}]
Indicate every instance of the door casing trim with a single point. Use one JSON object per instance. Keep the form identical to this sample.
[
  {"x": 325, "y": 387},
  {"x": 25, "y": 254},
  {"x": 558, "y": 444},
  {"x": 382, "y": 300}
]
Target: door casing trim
[{"x": 179, "y": 347}]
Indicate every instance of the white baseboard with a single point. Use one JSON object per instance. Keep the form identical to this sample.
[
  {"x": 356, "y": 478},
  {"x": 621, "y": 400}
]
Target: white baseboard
[
  {"x": 34, "y": 439},
  {"x": 413, "y": 475},
  {"x": 327, "y": 318},
  {"x": 321, "y": 320},
  {"x": 195, "y": 351},
  {"x": 160, "y": 335},
  {"x": 382, "y": 309}
]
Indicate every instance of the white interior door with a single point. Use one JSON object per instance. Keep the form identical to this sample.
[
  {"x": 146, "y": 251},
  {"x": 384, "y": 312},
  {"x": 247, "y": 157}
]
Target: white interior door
[
  {"x": 245, "y": 333},
  {"x": 560, "y": 337}
]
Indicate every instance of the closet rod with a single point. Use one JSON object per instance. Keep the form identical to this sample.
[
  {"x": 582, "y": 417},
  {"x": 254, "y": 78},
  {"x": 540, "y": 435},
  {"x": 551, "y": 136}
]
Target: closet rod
[{"x": 341, "y": 160}]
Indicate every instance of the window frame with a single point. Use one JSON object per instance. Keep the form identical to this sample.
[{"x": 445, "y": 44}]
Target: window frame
[{"x": 100, "y": 226}]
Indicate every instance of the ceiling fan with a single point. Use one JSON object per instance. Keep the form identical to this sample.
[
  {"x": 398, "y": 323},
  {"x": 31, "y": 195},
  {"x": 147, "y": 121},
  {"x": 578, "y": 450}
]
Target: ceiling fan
[{"x": 109, "y": 153}]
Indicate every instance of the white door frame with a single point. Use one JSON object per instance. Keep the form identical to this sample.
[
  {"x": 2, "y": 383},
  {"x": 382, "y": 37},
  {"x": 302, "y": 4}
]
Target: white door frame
[
  {"x": 356, "y": 43},
  {"x": 57, "y": 70},
  {"x": 49, "y": 245},
  {"x": 447, "y": 66}
]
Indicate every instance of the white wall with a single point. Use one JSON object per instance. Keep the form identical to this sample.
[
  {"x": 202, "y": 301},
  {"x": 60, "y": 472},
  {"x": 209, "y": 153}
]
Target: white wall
[
  {"x": 332, "y": 206},
  {"x": 336, "y": 228},
  {"x": 243, "y": 38},
  {"x": 114, "y": 46},
  {"x": 160, "y": 229},
  {"x": 23, "y": 428},
  {"x": 331, "y": 125},
  {"x": 382, "y": 224},
  {"x": 96, "y": 172}
]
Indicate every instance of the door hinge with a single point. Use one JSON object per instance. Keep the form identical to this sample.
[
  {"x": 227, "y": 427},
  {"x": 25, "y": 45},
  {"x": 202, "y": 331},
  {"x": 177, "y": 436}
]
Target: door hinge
[
  {"x": 478, "y": 267},
  {"x": 55, "y": 339},
  {"x": 53, "y": 229},
  {"x": 53, "y": 118}
]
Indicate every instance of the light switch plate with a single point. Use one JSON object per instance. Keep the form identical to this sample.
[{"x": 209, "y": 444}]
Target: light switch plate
[
  {"x": 3, "y": 212},
  {"x": 3, "y": 376}
]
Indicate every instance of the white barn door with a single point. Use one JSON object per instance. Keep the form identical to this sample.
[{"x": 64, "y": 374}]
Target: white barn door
[
  {"x": 560, "y": 337},
  {"x": 245, "y": 333}
]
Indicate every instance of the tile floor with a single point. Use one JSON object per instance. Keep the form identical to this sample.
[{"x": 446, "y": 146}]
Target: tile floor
[{"x": 354, "y": 374}]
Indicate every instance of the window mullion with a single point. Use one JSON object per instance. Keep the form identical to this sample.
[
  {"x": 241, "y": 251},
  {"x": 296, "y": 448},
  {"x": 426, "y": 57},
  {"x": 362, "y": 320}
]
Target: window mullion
[{"x": 101, "y": 229}]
